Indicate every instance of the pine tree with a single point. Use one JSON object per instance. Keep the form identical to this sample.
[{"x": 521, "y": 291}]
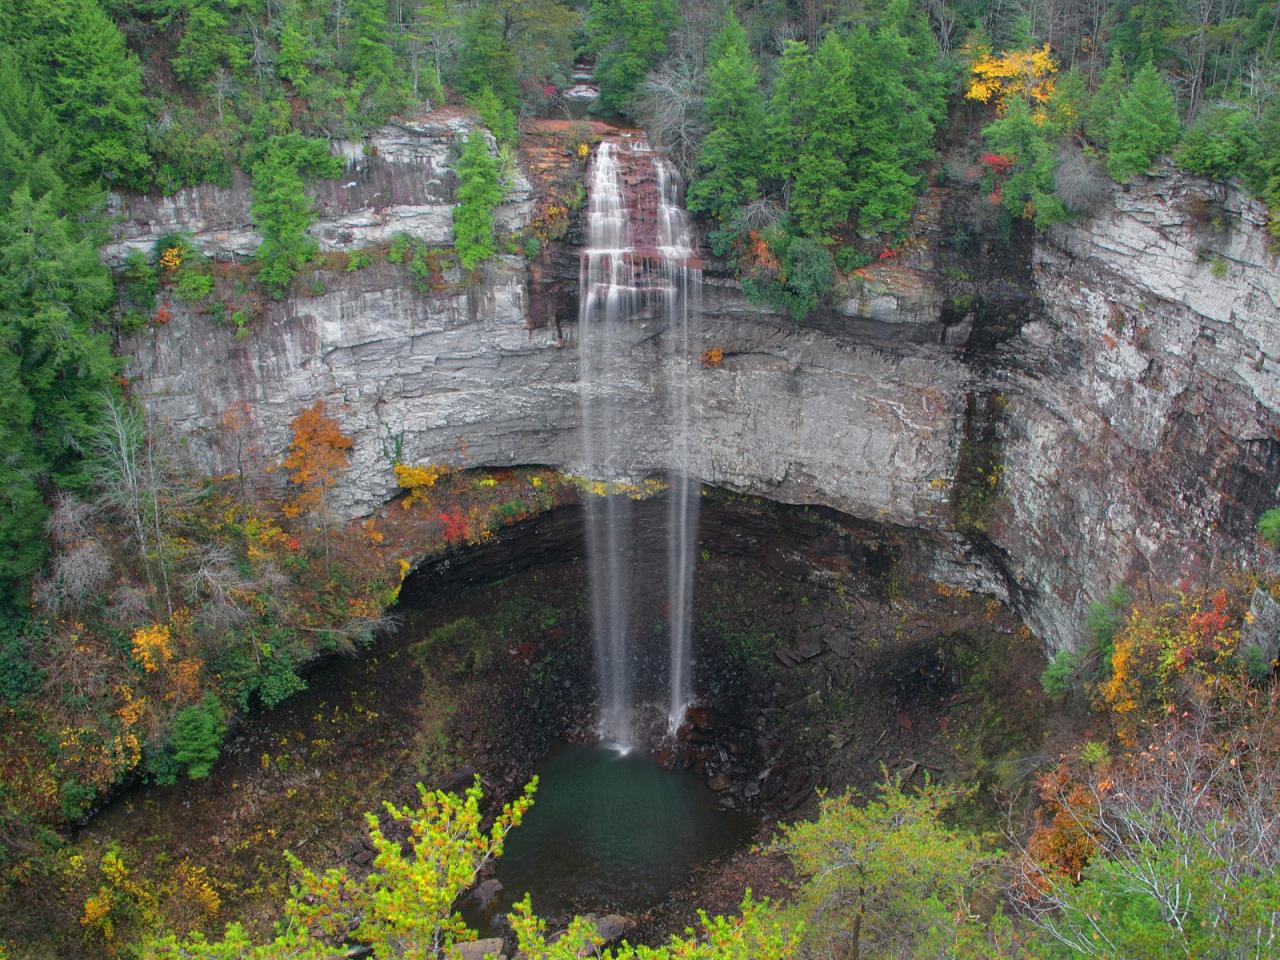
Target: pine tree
[
  {"x": 727, "y": 172},
  {"x": 895, "y": 124},
  {"x": 208, "y": 43},
  {"x": 95, "y": 86},
  {"x": 1102, "y": 106},
  {"x": 479, "y": 193},
  {"x": 373, "y": 65},
  {"x": 487, "y": 60},
  {"x": 53, "y": 291},
  {"x": 822, "y": 194},
  {"x": 1145, "y": 125},
  {"x": 281, "y": 208},
  {"x": 32, "y": 142},
  {"x": 792, "y": 101},
  {"x": 22, "y": 510}
]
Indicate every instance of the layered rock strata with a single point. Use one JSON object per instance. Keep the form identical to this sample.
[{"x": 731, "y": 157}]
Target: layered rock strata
[{"x": 1114, "y": 381}]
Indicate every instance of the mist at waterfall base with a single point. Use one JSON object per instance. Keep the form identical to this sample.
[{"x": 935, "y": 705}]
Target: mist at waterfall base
[
  {"x": 639, "y": 274},
  {"x": 609, "y": 831}
]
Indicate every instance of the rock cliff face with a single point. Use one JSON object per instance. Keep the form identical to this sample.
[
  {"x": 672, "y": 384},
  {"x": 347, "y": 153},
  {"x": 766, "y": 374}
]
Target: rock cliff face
[
  {"x": 400, "y": 180},
  {"x": 1142, "y": 429},
  {"x": 1130, "y": 395}
]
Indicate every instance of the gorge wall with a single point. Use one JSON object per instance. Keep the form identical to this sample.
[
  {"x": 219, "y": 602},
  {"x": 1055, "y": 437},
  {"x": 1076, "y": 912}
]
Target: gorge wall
[{"x": 1112, "y": 384}]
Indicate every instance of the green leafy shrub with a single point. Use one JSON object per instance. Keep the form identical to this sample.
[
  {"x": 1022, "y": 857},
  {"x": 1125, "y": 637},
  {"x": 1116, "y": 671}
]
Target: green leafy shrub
[
  {"x": 1105, "y": 619},
  {"x": 793, "y": 273},
  {"x": 1269, "y": 527},
  {"x": 18, "y": 675},
  {"x": 424, "y": 266},
  {"x": 197, "y": 736},
  {"x": 193, "y": 285},
  {"x": 401, "y": 244},
  {"x": 497, "y": 116},
  {"x": 1257, "y": 664},
  {"x": 132, "y": 320},
  {"x": 139, "y": 280},
  {"x": 358, "y": 260},
  {"x": 279, "y": 684},
  {"x": 74, "y": 799},
  {"x": 1095, "y": 753},
  {"x": 466, "y": 643},
  {"x": 1057, "y": 678}
]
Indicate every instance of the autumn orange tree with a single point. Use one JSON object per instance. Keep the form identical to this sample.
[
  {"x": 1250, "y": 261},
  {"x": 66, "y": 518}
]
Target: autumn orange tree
[{"x": 318, "y": 453}]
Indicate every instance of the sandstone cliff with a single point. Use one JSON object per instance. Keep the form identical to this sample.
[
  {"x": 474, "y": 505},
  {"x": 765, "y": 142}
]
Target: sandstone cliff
[{"x": 1114, "y": 390}]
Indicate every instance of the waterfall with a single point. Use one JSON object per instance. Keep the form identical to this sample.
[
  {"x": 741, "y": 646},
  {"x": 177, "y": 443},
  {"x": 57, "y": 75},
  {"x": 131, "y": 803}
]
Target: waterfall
[
  {"x": 639, "y": 263},
  {"x": 684, "y": 304}
]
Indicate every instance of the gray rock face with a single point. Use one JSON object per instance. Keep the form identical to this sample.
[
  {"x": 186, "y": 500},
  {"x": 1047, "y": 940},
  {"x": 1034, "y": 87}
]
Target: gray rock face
[
  {"x": 1139, "y": 404},
  {"x": 398, "y": 180},
  {"x": 1143, "y": 410}
]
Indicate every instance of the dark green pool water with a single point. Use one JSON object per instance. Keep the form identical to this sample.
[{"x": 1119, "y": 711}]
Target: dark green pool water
[{"x": 610, "y": 831}]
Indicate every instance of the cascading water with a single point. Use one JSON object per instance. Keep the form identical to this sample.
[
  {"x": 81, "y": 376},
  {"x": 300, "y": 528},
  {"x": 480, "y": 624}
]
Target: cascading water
[
  {"x": 638, "y": 263},
  {"x": 684, "y": 306}
]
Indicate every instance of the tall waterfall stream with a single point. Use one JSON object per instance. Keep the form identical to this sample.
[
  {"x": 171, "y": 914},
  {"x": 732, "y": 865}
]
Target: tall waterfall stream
[{"x": 640, "y": 262}]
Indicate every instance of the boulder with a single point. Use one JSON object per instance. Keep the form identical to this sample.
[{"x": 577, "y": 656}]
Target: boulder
[
  {"x": 480, "y": 949},
  {"x": 486, "y": 891}
]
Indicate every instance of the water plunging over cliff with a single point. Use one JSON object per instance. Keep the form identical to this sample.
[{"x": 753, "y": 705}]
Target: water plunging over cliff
[{"x": 639, "y": 263}]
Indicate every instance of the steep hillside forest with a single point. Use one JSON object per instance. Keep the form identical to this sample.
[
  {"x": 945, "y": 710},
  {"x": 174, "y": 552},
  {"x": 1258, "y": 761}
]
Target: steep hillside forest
[{"x": 147, "y": 608}]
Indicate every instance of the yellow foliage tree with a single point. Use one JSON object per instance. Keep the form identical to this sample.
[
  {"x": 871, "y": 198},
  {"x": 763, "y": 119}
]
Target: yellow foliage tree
[
  {"x": 1159, "y": 653},
  {"x": 152, "y": 646},
  {"x": 1015, "y": 73},
  {"x": 417, "y": 480}
]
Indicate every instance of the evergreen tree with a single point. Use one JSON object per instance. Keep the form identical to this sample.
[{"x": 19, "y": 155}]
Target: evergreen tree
[
  {"x": 1145, "y": 125},
  {"x": 479, "y": 193},
  {"x": 1220, "y": 144},
  {"x": 22, "y": 510},
  {"x": 53, "y": 367},
  {"x": 1103, "y": 103},
  {"x": 208, "y": 43},
  {"x": 53, "y": 290},
  {"x": 487, "y": 60},
  {"x": 822, "y": 190},
  {"x": 895, "y": 126},
  {"x": 497, "y": 116},
  {"x": 792, "y": 102},
  {"x": 727, "y": 172},
  {"x": 628, "y": 37},
  {"x": 281, "y": 208},
  {"x": 32, "y": 142},
  {"x": 94, "y": 85},
  {"x": 373, "y": 65},
  {"x": 293, "y": 62}
]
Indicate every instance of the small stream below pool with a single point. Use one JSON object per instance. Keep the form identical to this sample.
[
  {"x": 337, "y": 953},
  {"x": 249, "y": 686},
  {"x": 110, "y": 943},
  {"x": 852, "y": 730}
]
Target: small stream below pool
[{"x": 608, "y": 831}]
